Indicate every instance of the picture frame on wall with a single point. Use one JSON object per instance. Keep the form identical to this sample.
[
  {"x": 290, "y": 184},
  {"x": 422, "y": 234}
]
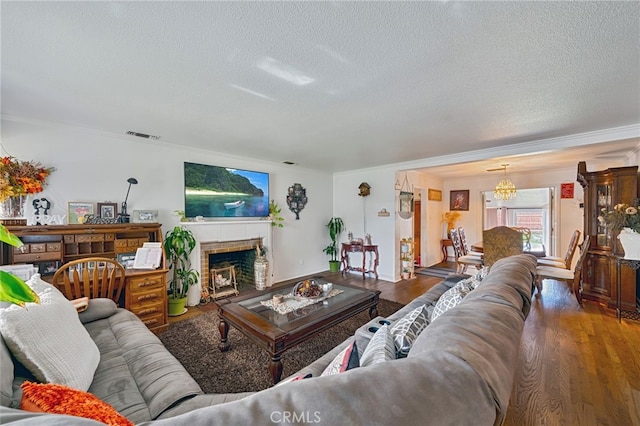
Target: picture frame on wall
[
  {"x": 459, "y": 200},
  {"x": 144, "y": 216},
  {"x": 108, "y": 210},
  {"x": 434, "y": 195},
  {"x": 78, "y": 212}
]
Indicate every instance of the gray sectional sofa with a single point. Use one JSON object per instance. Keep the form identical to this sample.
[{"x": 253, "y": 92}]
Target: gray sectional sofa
[{"x": 459, "y": 371}]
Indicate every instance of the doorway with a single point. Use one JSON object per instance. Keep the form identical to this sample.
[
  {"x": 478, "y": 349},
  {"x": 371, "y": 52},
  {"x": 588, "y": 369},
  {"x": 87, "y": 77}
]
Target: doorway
[{"x": 531, "y": 208}]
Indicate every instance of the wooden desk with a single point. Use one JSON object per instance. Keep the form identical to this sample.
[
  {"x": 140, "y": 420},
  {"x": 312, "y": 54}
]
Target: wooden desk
[
  {"x": 443, "y": 245},
  {"x": 537, "y": 250},
  {"x": 359, "y": 248}
]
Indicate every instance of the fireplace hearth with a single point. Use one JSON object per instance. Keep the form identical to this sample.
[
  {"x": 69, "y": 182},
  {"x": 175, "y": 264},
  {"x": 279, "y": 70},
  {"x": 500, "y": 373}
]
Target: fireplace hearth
[{"x": 240, "y": 254}]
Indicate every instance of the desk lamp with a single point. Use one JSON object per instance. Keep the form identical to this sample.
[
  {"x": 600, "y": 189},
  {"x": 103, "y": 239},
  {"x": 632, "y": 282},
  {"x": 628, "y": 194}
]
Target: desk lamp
[{"x": 124, "y": 217}]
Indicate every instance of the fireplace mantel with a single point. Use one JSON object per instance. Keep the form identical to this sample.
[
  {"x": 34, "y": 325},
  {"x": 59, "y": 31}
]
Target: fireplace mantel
[{"x": 231, "y": 230}]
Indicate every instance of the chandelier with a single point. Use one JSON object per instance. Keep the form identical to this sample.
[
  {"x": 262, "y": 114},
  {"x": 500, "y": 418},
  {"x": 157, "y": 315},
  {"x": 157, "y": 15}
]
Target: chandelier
[{"x": 505, "y": 189}]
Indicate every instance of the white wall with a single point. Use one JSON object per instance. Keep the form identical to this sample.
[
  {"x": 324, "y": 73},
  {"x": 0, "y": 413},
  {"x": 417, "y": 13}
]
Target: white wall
[{"x": 94, "y": 166}]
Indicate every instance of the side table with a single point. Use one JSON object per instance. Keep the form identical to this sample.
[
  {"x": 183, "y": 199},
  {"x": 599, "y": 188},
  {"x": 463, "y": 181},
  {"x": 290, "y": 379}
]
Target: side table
[
  {"x": 359, "y": 248},
  {"x": 444, "y": 244},
  {"x": 635, "y": 264}
]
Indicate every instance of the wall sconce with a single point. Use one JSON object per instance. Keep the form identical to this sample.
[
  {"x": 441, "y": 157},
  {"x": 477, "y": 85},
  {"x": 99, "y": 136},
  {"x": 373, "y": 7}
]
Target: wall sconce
[{"x": 296, "y": 199}]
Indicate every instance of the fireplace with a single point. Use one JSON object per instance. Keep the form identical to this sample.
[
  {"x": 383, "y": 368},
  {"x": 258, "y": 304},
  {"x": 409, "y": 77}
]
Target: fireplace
[{"x": 240, "y": 254}]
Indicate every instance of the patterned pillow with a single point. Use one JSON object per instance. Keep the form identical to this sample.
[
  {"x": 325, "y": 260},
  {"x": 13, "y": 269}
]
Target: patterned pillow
[
  {"x": 65, "y": 354},
  {"x": 346, "y": 360},
  {"x": 407, "y": 329},
  {"x": 381, "y": 348},
  {"x": 451, "y": 298}
]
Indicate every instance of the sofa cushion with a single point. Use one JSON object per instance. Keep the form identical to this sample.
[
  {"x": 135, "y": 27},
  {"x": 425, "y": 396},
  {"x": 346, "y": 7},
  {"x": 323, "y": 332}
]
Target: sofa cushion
[
  {"x": 451, "y": 298},
  {"x": 6, "y": 375},
  {"x": 347, "y": 359},
  {"x": 98, "y": 309},
  {"x": 407, "y": 329},
  {"x": 136, "y": 374},
  {"x": 58, "y": 399},
  {"x": 49, "y": 339},
  {"x": 381, "y": 348}
]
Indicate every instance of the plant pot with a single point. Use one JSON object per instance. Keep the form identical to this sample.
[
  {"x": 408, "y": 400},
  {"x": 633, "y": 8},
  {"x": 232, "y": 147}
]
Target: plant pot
[
  {"x": 406, "y": 275},
  {"x": 334, "y": 265},
  {"x": 630, "y": 241},
  {"x": 176, "y": 306}
]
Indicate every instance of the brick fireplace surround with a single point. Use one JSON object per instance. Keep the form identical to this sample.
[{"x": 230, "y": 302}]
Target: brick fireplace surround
[
  {"x": 218, "y": 247},
  {"x": 226, "y": 236}
]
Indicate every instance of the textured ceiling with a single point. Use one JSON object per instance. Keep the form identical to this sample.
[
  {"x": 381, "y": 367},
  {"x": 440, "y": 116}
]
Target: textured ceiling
[{"x": 327, "y": 85}]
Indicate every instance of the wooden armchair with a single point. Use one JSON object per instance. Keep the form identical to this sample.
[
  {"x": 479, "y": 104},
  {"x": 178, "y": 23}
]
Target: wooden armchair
[
  {"x": 562, "y": 262},
  {"x": 500, "y": 242},
  {"x": 90, "y": 277},
  {"x": 572, "y": 278}
]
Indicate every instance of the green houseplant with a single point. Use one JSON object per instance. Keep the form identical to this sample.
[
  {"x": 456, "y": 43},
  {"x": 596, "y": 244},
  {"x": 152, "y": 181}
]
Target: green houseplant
[
  {"x": 178, "y": 245},
  {"x": 335, "y": 226}
]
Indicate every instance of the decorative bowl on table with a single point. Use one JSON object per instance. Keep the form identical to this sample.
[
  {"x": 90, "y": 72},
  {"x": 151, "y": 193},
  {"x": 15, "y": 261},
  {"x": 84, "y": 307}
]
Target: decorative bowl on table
[{"x": 307, "y": 289}]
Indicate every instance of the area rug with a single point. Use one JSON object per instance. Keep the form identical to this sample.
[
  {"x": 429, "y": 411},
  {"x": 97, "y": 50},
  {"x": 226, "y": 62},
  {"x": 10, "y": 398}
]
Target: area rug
[
  {"x": 440, "y": 270},
  {"x": 194, "y": 342}
]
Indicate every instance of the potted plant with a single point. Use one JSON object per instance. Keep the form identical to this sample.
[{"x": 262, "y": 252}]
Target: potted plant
[
  {"x": 335, "y": 226},
  {"x": 178, "y": 245}
]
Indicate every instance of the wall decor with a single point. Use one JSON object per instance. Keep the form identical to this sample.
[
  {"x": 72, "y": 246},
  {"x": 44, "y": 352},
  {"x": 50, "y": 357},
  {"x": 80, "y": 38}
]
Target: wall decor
[
  {"x": 405, "y": 209},
  {"x": 296, "y": 199},
  {"x": 145, "y": 216},
  {"x": 566, "y": 190},
  {"x": 108, "y": 210},
  {"x": 434, "y": 195},
  {"x": 365, "y": 189},
  {"x": 78, "y": 211},
  {"x": 459, "y": 200}
]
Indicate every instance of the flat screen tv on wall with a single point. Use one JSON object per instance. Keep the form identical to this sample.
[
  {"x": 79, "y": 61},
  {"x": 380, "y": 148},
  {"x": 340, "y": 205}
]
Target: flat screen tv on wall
[{"x": 213, "y": 191}]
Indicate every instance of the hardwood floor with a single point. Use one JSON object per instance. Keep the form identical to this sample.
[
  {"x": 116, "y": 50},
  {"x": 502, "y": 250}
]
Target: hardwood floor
[{"x": 578, "y": 365}]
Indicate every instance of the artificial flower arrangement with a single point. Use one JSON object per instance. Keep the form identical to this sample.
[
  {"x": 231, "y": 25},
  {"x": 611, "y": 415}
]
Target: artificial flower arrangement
[
  {"x": 622, "y": 216},
  {"x": 450, "y": 218},
  {"x": 21, "y": 177}
]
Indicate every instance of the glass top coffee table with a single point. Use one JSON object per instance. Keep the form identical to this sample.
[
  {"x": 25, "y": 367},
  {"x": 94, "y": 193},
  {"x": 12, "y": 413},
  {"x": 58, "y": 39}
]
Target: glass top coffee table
[{"x": 277, "y": 332}]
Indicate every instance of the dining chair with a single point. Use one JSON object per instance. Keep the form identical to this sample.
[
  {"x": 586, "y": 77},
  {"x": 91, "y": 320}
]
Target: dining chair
[
  {"x": 572, "y": 278},
  {"x": 465, "y": 246},
  {"x": 499, "y": 242},
  {"x": 463, "y": 261},
  {"x": 562, "y": 262},
  {"x": 91, "y": 277},
  {"x": 526, "y": 236}
]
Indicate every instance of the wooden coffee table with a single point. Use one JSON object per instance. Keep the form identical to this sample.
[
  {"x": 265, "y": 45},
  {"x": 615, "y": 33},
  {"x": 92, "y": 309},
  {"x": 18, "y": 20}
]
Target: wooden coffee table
[{"x": 276, "y": 333}]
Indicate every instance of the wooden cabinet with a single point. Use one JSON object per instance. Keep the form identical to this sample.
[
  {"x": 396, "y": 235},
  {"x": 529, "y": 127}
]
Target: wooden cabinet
[
  {"x": 145, "y": 292},
  {"x": 146, "y": 296},
  {"x": 603, "y": 190}
]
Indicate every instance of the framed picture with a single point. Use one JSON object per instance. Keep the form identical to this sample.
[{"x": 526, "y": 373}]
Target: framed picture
[
  {"x": 126, "y": 259},
  {"x": 48, "y": 268},
  {"x": 144, "y": 216},
  {"x": 459, "y": 200},
  {"x": 78, "y": 211},
  {"x": 108, "y": 210},
  {"x": 434, "y": 195}
]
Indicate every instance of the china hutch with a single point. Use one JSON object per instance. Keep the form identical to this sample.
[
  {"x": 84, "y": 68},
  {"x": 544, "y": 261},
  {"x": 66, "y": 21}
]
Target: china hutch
[{"x": 603, "y": 190}]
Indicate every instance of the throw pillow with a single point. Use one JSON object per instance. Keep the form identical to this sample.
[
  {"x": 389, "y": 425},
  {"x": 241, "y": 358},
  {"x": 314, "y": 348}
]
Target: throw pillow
[
  {"x": 451, "y": 298},
  {"x": 294, "y": 379},
  {"x": 346, "y": 360},
  {"x": 407, "y": 329},
  {"x": 58, "y": 399},
  {"x": 49, "y": 339},
  {"x": 381, "y": 348}
]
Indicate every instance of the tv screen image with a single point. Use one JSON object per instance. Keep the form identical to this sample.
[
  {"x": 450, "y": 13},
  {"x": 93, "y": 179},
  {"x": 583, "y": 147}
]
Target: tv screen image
[{"x": 213, "y": 191}]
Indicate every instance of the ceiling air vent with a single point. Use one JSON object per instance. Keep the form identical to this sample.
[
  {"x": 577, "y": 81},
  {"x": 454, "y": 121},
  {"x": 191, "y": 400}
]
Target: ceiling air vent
[
  {"x": 142, "y": 135},
  {"x": 290, "y": 163}
]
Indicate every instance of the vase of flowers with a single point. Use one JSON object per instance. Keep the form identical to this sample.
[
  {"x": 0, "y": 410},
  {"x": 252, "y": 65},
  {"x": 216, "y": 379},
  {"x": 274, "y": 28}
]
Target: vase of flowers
[
  {"x": 450, "y": 218},
  {"x": 18, "y": 179},
  {"x": 625, "y": 219}
]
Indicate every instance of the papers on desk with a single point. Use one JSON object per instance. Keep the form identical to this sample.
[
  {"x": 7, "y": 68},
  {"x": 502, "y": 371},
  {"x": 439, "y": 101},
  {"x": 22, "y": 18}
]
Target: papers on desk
[{"x": 148, "y": 256}]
